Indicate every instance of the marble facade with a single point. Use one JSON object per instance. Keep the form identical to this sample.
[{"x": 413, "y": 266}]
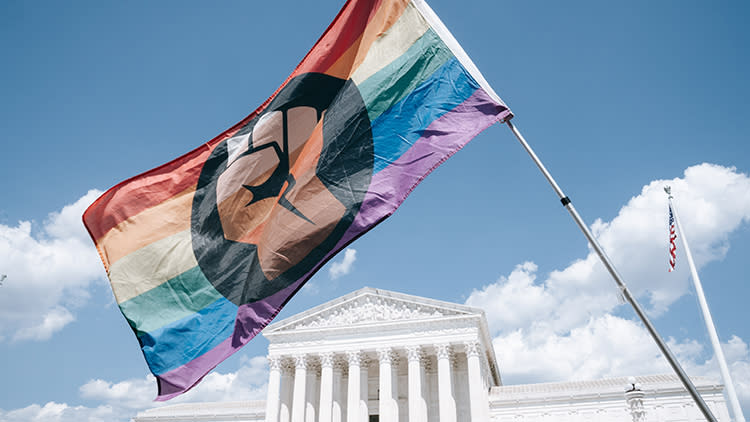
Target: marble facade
[{"x": 376, "y": 355}]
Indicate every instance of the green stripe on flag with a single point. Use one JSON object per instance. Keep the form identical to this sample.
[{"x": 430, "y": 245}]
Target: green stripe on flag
[
  {"x": 395, "y": 81},
  {"x": 179, "y": 297}
]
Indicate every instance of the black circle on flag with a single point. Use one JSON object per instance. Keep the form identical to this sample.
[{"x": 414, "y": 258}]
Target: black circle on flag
[{"x": 276, "y": 197}]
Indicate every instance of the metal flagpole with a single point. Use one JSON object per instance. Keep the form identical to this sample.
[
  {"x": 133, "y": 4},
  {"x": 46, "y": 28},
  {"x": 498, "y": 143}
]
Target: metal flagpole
[
  {"x": 621, "y": 285},
  {"x": 731, "y": 394}
]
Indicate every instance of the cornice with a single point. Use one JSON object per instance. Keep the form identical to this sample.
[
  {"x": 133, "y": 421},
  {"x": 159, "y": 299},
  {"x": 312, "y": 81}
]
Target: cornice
[
  {"x": 603, "y": 389},
  {"x": 211, "y": 411}
]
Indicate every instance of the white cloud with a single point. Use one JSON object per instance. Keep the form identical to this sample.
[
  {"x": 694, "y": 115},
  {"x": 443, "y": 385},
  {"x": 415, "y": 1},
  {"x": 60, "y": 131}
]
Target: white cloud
[
  {"x": 515, "y": 300},
  {"x": 121, "y": 401},
  {"x": 135, "y": 395},
  {"x": 53, "y": 321},
  {"x": 713, "y": 201},
  {"x": 737, "y": 354},
  {"x": 344, "y": 266},
  {"x": 604, "y": 346},
  {"x": 60, "y": 412},
  {"x": 49, "y": 269},
  {"x": 132, "y": 394},
  {"x": 610, "y": 346},
  {"x": 562, "y": 327}
]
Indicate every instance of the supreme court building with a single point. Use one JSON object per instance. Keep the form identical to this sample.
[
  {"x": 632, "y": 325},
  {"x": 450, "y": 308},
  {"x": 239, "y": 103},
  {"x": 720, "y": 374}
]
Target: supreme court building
[{"x": 376, "y": 355}]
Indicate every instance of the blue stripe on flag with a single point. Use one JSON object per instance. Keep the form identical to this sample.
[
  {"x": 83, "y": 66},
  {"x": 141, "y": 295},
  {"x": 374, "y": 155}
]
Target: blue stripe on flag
[
  {"x": 396, "y": 130},
  {"x": 178, "y": 343}
]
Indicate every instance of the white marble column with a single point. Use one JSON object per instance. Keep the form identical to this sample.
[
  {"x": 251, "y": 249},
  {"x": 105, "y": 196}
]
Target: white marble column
[
  {"x": 417, "y": 404},
  {"x": 387, "y": 396},
  {"x": 273, "y": 400},
  {"x": 337, "y": 412},
  {"x": 352, "y": 398},
  {"x": 478, "y": 398},
  {"x": 312, "y": 393},
  {"x": 287, "y": 379},
  {"x": 364, "y": 412},
  {"x": 300, "y": 384},
  {"x": 326, "y": 387},
  {"x": 446, "y": 402}
]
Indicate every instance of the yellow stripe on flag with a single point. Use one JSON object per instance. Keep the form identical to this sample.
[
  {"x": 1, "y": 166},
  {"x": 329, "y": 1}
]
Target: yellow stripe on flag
[
  {"x": 152, "y": 265},
  {"x": 384, "y": 18},
  {"x": 392, "y": 43}
]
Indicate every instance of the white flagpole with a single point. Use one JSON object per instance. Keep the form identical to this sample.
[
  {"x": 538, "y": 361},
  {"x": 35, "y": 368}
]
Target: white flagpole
[
  {"x": 613, "y": 272},
  {"x": 731, "y": 394}
]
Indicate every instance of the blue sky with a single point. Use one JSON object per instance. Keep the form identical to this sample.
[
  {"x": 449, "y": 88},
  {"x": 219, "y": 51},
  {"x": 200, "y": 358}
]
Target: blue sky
[{"x": 618, "y": 99}]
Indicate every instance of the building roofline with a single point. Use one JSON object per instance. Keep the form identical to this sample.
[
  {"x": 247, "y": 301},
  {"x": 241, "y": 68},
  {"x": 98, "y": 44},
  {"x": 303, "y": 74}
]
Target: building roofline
[{"x": 486, "y": 339}]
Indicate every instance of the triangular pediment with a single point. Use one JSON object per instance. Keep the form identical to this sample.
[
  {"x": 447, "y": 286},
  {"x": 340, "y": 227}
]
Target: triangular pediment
[{"x": 371, "y": 306}]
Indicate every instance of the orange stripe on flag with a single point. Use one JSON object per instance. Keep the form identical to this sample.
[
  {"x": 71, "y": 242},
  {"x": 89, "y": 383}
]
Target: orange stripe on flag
[{"x": 156, "y": 223}]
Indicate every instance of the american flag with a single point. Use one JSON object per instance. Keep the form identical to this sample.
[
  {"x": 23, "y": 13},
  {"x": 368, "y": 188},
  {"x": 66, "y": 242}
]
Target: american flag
[{"x": 672, "y": 238}]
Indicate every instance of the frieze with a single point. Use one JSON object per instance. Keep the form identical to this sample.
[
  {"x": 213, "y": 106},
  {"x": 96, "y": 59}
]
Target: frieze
[
  {"x": 370, "y": 309},
  {"x": 432, "y": 328}
]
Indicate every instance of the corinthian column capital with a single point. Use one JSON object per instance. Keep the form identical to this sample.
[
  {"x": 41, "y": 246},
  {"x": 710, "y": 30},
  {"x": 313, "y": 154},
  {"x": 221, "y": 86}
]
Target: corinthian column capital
[
  {"x": 300, "y": 361},
  {"x": 385, "y": 355},
  {"x": 414, "y": 352},
  {"x": 443, "y": 350},
  {"x": 274, "y": 362},
  {"x": 472, "y": 348},
  {"x": 354, "y": 357},
  {"x": 326, "y": 359}
]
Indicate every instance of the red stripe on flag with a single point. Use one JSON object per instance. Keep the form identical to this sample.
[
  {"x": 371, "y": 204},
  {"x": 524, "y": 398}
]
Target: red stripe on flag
[
  {"x": 340, "y": 35},
  {"x": 139, "y": 193}
]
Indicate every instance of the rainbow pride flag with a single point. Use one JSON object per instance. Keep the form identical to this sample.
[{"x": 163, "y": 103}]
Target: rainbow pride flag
[{"x": 204, "y": 251}]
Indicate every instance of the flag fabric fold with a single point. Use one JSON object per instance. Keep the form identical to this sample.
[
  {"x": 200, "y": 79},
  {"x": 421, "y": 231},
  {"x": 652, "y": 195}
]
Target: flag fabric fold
[{"x": 204, "y": 251}]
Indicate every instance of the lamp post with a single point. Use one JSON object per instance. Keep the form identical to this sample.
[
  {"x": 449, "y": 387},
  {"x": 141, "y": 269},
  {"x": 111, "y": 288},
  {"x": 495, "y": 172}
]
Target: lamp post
[{"x": 634, "y": 397}]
